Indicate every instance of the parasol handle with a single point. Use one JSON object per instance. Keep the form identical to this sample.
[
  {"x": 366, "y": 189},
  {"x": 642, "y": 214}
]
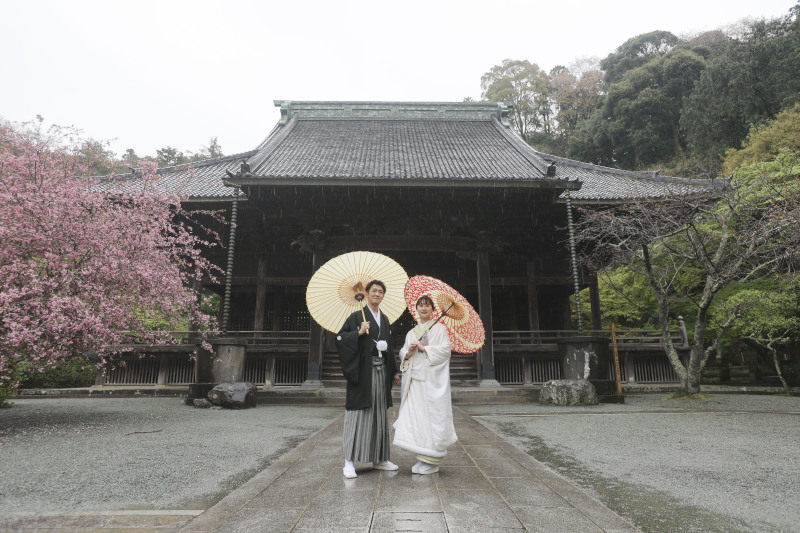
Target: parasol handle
[
  {"x": 364, "y": 317},
  {"x": 437, "y": 320},
  {"x": 360, "y": 299}
]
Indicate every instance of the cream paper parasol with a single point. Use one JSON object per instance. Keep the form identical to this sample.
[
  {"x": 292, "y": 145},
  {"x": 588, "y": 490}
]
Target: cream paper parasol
[
  {"x": 451, "y": 309},
  {"x": 338, "y": 288}
]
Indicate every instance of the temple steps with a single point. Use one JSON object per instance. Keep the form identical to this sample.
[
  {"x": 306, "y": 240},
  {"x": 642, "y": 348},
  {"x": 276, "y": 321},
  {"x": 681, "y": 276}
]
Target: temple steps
[{"x": 463, "y": 368}]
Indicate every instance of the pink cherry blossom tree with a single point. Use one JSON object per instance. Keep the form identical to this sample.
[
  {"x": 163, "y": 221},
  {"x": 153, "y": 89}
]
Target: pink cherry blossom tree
[{"x": 79, "y": 267}]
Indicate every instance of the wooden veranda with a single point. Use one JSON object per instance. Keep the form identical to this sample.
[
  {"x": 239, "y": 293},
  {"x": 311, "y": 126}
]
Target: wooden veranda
[{"x": 280, "y": 358}]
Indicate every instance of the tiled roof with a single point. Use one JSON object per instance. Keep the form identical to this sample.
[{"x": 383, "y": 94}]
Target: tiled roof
[
  {"x": 467, "y": 143},
  {"x": 601, "y": 184},
  {"x": 201, "y": 180},
  {"x": 421, "y": 149},
  {"x": 415, "y": 142}
]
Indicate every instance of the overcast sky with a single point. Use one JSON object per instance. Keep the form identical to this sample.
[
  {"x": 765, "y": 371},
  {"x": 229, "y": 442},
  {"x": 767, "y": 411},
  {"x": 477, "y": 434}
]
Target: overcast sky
[{"x": 148, "y": 74}]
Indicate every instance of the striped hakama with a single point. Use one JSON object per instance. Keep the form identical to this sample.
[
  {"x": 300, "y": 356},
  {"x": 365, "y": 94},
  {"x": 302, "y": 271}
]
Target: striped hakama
[{"x": 366, "y": 431}]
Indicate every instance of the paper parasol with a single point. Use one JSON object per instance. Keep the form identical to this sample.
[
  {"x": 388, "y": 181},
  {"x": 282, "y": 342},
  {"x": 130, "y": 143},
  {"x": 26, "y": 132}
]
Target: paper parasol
[
  {"x": 461, "y": 320},
  {"x": 338, "y": 288}
]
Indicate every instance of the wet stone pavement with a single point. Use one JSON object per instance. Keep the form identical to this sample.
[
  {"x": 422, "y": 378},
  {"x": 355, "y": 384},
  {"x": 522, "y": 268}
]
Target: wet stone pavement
[
  {"x": 722, "y": 464},
  {"x": 485, "y": 484}
]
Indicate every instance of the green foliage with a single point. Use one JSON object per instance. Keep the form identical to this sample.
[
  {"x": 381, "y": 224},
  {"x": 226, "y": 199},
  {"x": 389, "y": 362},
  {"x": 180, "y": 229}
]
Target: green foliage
[
  {"x": 78, "y": 372},
  {"x": 97, "y": 158},
  {"x": 768, "y": 311},
  {"x": 213, "y": 150},
  {"x": 7, "y": 389},
  {"x": 661, "y": 102},
  {"x": 766, "y": 141},
  {"x": 527, "y": 87},
  {"x": 210, "y": 304},
  {"x": 627, "y": 299},
  {"x": 749, "y": 82},
  {"x": 170, "y": 157},
  {"x": 575, "y": 92},
  {"x": 167, "y": 157},
  {"x": 635, "y": 52},
  {"x": 637, "y": 124}
]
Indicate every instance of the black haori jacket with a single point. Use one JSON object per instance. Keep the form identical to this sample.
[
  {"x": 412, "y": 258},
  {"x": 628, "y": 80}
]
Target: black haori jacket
[{"x": 356, "y": 353}]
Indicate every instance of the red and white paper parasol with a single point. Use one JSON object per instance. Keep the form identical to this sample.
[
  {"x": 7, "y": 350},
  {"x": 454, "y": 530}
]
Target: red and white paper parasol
[{"x": 460, "y": 318}]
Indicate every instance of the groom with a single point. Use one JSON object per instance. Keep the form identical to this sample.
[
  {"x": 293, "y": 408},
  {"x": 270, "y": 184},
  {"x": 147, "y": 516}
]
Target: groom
[{"x": 369, "y": 366}]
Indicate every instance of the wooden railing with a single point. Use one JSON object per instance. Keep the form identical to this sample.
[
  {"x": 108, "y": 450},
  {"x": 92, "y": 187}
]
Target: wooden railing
[
  {"x": 647, "y": 337},
  {"x": 279, "y": 357},
  {"x": 533, "y": 357},
  {"x": 521, "y": 357},
  {"x": 158, "y": 338},
  {"x": 285, "y": 341}
]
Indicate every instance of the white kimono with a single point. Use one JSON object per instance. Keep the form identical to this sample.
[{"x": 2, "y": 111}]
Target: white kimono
[{"x": 425, "y": 422}]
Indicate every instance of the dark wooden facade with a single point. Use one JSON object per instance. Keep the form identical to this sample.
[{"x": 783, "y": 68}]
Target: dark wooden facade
[{"x": 447, "y": 190}]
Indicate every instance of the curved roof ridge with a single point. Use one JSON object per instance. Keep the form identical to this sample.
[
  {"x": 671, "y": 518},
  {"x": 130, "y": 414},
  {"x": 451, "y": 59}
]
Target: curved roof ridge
[
  {"x": 392, "y": 109},
  {"x": 270, "y": 144},
  {"x": 521, "y": 146}
]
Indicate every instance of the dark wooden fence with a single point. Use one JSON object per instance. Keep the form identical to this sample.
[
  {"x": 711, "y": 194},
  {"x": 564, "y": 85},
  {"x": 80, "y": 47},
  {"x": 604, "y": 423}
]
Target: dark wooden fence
[
  {"x": 533, "y": 357},
  {"x": 281, "y": 358},
  {"x": 278, "y": 357}
]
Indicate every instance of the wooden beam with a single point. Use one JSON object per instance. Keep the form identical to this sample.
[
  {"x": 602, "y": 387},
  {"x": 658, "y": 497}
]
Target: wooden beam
[{"x": 413, "y": 243}]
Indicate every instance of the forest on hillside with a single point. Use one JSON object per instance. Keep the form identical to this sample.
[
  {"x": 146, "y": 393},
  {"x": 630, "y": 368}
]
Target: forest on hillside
[
  {"x": 659, "y": 101},
  {"x": 722, "y": 105}
]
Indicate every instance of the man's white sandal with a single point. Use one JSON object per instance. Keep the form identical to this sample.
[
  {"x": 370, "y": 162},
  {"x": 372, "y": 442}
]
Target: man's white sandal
[
  {"x": 385, "y": 465},
  {"x": 349, "y": 473}
]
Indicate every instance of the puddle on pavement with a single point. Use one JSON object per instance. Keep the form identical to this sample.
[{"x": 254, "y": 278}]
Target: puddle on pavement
[{"x": 651, "y": 510}]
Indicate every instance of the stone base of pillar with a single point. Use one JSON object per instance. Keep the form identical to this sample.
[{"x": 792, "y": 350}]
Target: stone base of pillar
[
  {"x": 568, "y": 392},
  {"x": 228, "y": 365},
  {"x": 489, "y": 384},
  {"x": 587, "y": 358},
  {"x": 312, "y": 384}
]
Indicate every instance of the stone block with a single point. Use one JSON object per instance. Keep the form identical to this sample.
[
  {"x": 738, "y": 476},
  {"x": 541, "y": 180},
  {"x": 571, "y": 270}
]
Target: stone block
[
  {"x": 568, "y": 392},
  {"x": 234, "y": 395}
]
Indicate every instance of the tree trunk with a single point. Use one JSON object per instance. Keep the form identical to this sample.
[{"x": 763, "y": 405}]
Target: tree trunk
[
  {"x": 697, "y": 355},
  {"x": 777, "y": 363},
  {"x": 669, "y": 349},
  {"x": 663, "y": 319}
]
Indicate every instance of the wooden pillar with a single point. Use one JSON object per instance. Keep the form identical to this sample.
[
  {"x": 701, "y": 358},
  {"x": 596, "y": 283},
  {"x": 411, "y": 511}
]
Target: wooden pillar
[
  {"x": 314, "y": 374},
  {"x": 533, "y": 298},
  {"x": 594, "y": 301},
  {"x": 485, "y": 310},
  {"x": 261, "y": 295}
]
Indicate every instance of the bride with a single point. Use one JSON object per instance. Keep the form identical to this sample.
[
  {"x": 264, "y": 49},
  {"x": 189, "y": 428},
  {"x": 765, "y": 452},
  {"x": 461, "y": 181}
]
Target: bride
[{"x": 424, "y": 425}]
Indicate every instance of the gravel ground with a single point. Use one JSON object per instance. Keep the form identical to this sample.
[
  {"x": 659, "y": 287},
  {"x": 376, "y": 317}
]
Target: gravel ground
[
  {"x": 727, "y": 463},
  {"x": 101, "y": 454}
]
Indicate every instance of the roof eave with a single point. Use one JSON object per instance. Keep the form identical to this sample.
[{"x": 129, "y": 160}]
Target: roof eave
[{"x": 272, "y": 181}]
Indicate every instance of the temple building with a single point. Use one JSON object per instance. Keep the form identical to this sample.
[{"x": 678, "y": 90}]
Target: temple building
[{"x": 447, "y": 190}]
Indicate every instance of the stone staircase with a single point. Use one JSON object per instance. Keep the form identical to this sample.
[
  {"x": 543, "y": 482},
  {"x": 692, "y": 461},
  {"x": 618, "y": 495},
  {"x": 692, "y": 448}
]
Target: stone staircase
[{"x": 463, "y": 370}]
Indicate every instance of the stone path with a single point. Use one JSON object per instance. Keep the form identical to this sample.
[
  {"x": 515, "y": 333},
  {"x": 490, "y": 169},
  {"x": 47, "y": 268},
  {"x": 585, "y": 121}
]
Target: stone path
[{"x": 485, "y": 484}]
